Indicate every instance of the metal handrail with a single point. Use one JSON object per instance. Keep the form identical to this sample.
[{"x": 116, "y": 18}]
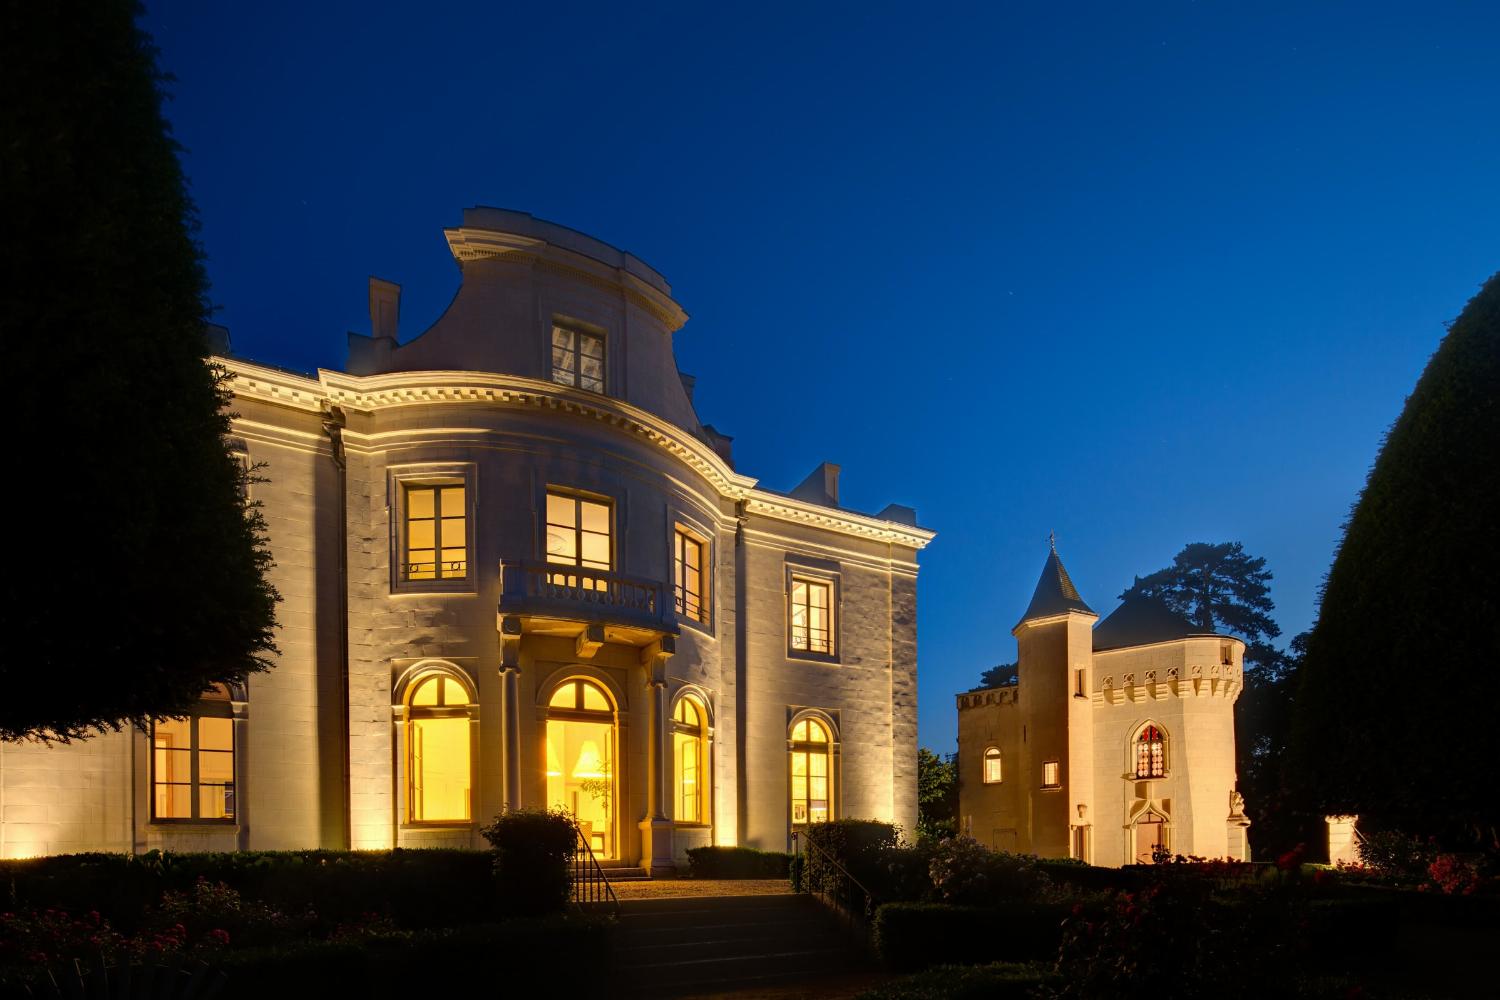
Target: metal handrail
[
  {"x": 841, "y": 896},
  {"x": 590, "y": 884}
]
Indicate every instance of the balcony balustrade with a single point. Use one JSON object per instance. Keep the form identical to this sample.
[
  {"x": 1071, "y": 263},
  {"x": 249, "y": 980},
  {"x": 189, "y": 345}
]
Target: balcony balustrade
[{"x": 567, "y": 593}]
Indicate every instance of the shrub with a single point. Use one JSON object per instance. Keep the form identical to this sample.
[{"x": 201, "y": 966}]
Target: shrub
[
  {"x": 737, "y": 862},
  {"x": 534, "y": 851},
  {"x": 911, "y": 936},
  {"x": 1396, "y": 855},
  {"x": 854, "y": 843},
  {"x": 954, "y": 982},
  {"x": 1454, "y": 875},
  {"x": 967, "y": 873}
]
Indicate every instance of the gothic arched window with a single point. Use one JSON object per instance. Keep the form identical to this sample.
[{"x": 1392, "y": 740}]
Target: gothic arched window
[{"x": 1150, "y": 753}]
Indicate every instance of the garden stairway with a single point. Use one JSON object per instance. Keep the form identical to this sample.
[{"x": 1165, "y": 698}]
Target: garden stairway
[{"x": 683, "y": 945}]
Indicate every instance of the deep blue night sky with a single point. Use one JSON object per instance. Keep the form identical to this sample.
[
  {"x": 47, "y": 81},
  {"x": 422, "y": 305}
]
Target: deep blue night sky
[{"x": 1142, "y": 274}]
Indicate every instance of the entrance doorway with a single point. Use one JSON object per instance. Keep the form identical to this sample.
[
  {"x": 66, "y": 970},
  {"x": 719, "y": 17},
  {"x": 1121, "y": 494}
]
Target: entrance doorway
[
  {"x": 581, "y": 761},
  {"x": 1150, "y": 834}
]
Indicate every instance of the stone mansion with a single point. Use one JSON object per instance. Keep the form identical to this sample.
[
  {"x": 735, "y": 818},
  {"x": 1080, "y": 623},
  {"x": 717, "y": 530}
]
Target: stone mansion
[
  {"x": 1115, "y": 742},
  {"x": 518, "y": 571}
]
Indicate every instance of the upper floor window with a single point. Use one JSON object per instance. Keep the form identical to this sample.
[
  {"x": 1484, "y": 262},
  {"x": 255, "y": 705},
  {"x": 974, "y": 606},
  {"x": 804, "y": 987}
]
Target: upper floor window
[
  {"x": 436, "y": 532},
  {"x": 687, "y": 575},
  {"x": 578, "y": 531},
  {"x": 578, "y": 359},
  {"x": 812, "y": 616},
  {"x": 1051, "y": 774},
  {"x": 992, "y": 766},
  {"x": 192, "y": 762},
  {"x": 1150, "y": 754}
]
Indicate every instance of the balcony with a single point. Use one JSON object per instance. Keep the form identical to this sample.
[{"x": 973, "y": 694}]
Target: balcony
[{"x": 589, "y": 605}]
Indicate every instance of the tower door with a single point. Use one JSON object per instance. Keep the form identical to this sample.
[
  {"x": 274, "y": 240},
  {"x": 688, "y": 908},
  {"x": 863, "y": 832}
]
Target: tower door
[{"x": 1148, "y": 837}]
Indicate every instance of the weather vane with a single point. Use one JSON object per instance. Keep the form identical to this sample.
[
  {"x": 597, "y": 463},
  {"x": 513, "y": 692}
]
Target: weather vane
[{"x": 1052, "y": 540}]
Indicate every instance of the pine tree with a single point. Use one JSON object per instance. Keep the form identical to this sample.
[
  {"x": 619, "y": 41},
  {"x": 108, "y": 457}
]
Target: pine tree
[
  {"x": 1395, "y": 715},
  {"x": 136, "y": 570}
]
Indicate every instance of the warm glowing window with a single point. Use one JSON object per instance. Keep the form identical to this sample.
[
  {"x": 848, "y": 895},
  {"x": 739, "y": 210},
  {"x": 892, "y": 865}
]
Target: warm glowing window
[
  {"x": 580, "y": 761},
  {"x": 687, "y": 575},
  {"x": 438, "y": 751},
  {"x": 812, "y": 779},
  {"x": 577, "y": 359},
  {"x": 192, "y": 762},
  {"x": 1150, "y": 754},
  {"x": 690, "y": 760},
  {"x": 436, "y": 543},
  {"x": 812, "y": 616},
  {"x": 992, "y": 766},
  {"x": 1051, "y": 774},
  {"x": 578, "y": 534}
]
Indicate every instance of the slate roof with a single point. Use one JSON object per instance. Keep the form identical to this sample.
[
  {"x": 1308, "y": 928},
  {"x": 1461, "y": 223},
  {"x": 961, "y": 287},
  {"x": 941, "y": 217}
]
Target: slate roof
[
  {"x": 1140, "y": 621},
  {"x": 1055, "y": 593}
]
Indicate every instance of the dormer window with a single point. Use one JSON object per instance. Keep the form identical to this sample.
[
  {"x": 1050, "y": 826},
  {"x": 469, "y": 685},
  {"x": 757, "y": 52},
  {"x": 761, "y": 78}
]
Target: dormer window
[{"x": 577, "y": 359}]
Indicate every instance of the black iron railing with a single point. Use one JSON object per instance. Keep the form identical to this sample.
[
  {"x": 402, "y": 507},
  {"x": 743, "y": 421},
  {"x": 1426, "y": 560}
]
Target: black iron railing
[
  {"x": 590, "y": 884},
  {"x": 820, "y": 874}
]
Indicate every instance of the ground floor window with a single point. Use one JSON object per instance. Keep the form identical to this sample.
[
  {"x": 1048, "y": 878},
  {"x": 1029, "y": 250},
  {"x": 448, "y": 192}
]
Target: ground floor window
[
  {"x": 580, "y": 761},
  {"x": 192, "y": 762},
  {"x": 812, "y": 777},
  {"x": 689, "y": 760},
  {"x": 439, "y": 751}
]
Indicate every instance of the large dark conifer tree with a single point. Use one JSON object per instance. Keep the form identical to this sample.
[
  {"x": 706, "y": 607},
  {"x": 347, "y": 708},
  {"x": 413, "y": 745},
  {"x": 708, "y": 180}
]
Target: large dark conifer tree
[
  {"x": 135, "y": 572},
  {"x": 1396, "y": 709}
]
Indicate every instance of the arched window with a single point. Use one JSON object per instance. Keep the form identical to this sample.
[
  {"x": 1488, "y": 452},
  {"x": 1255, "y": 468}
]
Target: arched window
[
  {"x": 438, "y": 751},
  {"x": 690, "y": 761},
  {"x": 992, "y": 770},
  {"x": 580, "y": 760},
  {"x": 812, "y": 776},
  {"x": 1150, "y": 754}
]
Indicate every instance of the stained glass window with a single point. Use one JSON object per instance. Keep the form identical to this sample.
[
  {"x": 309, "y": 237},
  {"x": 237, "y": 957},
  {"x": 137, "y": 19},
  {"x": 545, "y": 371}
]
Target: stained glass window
[{"x": 1150, "y": 756}]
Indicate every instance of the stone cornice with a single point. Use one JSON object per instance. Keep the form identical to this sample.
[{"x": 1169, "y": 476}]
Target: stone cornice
[{"x": 369, "y": 393}]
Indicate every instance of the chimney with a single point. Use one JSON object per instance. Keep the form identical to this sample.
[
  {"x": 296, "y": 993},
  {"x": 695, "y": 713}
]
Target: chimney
[
  {"x": 820, "y": 487},
  {"x": 385, "y": 308}
]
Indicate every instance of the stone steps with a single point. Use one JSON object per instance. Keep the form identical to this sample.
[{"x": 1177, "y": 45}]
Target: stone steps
[{"x": 682, "y": 945}]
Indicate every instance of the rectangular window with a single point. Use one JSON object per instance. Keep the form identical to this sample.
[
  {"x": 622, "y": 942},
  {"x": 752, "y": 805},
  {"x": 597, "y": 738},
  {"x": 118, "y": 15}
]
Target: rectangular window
[
  {"x": 992, "y": 766},
  {"x": 192, "y": 763},
  {"x": 577, "y": 359},
  {"x": 436, "y": 538},
  {"x": 1080, "y": 684},
  {"x": 812, "y": 616},
  {"x": 1226, "y": 654},
  {"x": 579, "y": 534},
  {"x": 1051, "y": 774},
  {"x": 687, "y": 576}
]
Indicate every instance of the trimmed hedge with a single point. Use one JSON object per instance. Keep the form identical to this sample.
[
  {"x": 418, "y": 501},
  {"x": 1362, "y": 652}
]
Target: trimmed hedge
[
  {"x": 912, "y": 936},
  {"x": 957, "y": 982},
  {"x": 534, "y": 852},
  {"x": 513, "y": 955},
  {"x": 737, "y": 862},
  {"x": 415, "y": 888}
]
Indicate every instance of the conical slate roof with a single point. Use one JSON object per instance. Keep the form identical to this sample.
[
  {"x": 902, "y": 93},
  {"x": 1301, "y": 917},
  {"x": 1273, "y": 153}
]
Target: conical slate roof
[
  {"x": 1055, "y": 593},
  {"x": 1140, "y": 621}
]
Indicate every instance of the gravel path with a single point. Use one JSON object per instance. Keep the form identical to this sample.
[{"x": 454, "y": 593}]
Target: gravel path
[{"x": 663, "y": 887}]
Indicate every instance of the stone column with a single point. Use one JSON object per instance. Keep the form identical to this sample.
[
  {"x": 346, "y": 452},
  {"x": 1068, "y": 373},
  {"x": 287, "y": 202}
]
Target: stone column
[
  {"x": 656, "y": 829},
  {"x": 510, "y": 728}
]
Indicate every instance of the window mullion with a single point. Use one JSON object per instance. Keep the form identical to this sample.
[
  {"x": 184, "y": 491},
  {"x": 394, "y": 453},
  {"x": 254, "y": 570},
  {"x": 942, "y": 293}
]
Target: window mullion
[{"x": 193, "y": 767}]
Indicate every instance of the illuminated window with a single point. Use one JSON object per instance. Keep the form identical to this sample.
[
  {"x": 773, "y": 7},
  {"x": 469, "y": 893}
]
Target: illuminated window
[
  {"x": 992, "y": 766},
  {"x": 690, "y": 760},
  {"x": 192, "y": 762},
  {"x": 687, "y": 576},
  {"x": 1150, "y": 754},
  {"x": 1051, "y": 774},
  {"x": 577, "y": 359},
  {"x": 812, "y": 616},
  {"x": 580, "y": 761},
  {"x": 578, "y": 534},
  {"x": 438, "y": 751},
  {"x": 436, "y": 540},
  {"x": 812, "y": 778}
]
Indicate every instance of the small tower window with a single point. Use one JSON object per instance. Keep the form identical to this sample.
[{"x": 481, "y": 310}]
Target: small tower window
[
  {"x": 1051, "y": 774},
  {"x": 1150, "y": 755},
  {"x": 992, "y": 763}
]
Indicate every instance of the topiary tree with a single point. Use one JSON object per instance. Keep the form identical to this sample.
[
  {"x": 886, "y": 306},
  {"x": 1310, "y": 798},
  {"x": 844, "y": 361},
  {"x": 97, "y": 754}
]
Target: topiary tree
[
  {"x": 137, "y": 570},
  {"x": 1394, "y": 713}
]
